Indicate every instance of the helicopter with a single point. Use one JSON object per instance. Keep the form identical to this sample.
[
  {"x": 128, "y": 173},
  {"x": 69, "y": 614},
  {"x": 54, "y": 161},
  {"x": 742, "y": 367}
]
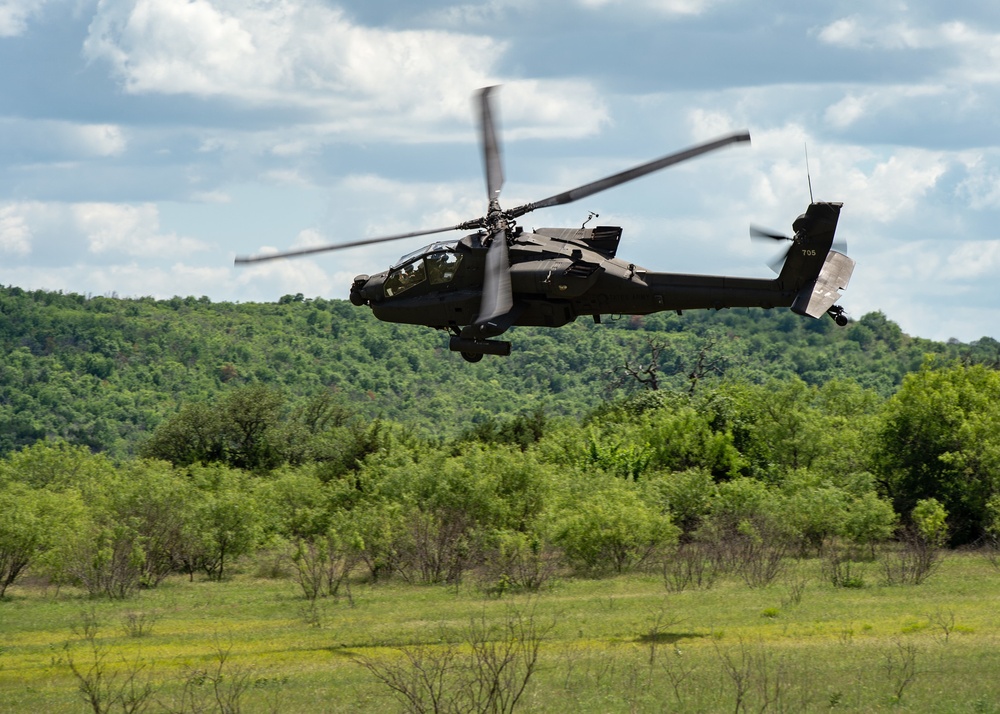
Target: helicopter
[{"x": 500, "y": 276}]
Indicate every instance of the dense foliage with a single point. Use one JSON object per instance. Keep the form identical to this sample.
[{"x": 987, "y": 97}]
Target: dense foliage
[
  {"x": 104, "y": 372},
  {"x": 141, "y": 438}
]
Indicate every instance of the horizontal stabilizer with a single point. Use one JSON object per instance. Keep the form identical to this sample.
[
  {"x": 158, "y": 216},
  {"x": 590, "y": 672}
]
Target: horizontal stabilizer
[{"x": 815, "y": 298}]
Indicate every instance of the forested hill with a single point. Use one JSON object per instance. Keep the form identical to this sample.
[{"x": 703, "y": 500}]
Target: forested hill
[{"x": 105, "y": 371}]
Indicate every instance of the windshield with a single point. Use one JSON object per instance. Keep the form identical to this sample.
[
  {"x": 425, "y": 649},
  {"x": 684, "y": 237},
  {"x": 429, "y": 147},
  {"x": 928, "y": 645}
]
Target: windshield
[
  {"x": 440, "y": 245},
  {"x": 438, "y": 267}
]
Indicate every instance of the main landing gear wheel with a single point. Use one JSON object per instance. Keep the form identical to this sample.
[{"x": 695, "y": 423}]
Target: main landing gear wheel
[{"x": 472, "y": 356}]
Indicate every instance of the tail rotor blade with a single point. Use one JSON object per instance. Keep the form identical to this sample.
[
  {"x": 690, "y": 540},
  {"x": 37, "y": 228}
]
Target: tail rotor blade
[
  {"x": 759, "y": 233},
  {"x": 765, "y": 235},
  {"x": 778, "y": 262},
  {"x": 497, "y": 294},
  {"x": 491, "y": 146}
]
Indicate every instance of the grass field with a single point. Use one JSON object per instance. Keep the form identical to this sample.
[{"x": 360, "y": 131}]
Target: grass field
[{"x": 612, "y": 645}]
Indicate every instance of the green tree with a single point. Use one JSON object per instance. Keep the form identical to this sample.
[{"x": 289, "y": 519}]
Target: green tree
[
  {"x": 107, "y": 558},
  {"x": 930, "y": 521},
  {"x": 157, "y": 500},
  {"x": 870, "y": 520},
  {"x": 940, "y": 439},
  {"x": 32, "y": 523},
  {"x": 193, "y": 435},
  {"x": 239, "y": 430},
  {"x": 56, "y": 465},
  {"x": 610, "y": 527},
  {"x": 686, "y": 495},
  {"x": 812, "y": 509},
  {"x": 455, "y": 504},
  {"x": 225, "y": 522}
]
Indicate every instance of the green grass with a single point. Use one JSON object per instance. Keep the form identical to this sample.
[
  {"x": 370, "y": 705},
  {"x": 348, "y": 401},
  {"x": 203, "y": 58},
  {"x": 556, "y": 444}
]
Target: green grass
[{"x": 614, "y": 645}]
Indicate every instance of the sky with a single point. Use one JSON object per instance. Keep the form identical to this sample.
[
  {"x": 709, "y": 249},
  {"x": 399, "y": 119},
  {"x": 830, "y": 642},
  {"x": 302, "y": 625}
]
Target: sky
[{"x": 146, "y": 143}]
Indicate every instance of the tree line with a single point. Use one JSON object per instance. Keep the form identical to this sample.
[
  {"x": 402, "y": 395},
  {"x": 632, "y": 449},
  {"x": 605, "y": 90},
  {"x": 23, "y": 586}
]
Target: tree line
[
  {"x": 105, "y": 372},
  {"x": 741, "y": 474}
]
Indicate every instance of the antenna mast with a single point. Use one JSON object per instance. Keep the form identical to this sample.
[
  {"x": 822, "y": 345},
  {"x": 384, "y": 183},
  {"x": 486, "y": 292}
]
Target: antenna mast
[{"x": 808, "y": 176}]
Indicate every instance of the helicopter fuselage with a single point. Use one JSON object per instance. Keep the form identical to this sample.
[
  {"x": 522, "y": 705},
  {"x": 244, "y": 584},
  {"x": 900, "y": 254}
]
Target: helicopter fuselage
[
  {"x": 554, "y": 280},
  {"x": 560, "y": 274}
]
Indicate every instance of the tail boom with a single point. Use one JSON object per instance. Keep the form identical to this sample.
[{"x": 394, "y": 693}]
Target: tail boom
[{"x": 809, "y": 283}]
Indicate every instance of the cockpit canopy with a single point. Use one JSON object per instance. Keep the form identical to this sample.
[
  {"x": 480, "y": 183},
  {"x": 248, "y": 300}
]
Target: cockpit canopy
[{"x": 436, "y": 263}]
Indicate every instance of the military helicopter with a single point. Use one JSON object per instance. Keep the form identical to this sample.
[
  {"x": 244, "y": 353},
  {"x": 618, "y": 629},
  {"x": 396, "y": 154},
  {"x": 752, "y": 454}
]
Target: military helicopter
[{"x": 479, "y": 286}]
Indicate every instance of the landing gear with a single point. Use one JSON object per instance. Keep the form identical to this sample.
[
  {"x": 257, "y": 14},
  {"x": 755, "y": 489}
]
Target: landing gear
[
  {"x": 472, "y": 356},
  {"x": 838, "y": 315}
]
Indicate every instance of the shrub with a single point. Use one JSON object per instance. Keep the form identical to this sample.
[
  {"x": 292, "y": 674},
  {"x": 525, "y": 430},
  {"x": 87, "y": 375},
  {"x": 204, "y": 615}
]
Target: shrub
[{"x": 612, "y": 529}]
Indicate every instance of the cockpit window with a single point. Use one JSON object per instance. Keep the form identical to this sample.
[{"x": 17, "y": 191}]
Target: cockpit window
[
  {"x": 432, "y": 248},
  {"x": 441, "y": 267},
  {"x": 436, "y": 262},
  {"x": 403, "y": 278}
]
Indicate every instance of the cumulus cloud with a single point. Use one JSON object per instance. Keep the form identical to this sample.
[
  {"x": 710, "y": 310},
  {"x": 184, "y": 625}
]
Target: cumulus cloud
[
  {"x": 977, "y": 51},
  {"x": 65, "y": 139},
  {"x": 121, "y": 280},
  {"x": 892, "y": 186},
  {"x": 63, "y": 231},
  {"x": 706, "y": 124},
  {"x": 307, "y": 54},
  {"x": 980, "y": 187},
  {"x": 100, "y": 139},
  {"x": 129, "y": 230},
  {"x": 15, "y": 234},
  {"x": 269, "y": 280},
  {"x": 476, "y": 14},
  {"x": 15, "y": 14},
  {"x": 857, "y": 32},
  {"x": 665, "y": 7}
]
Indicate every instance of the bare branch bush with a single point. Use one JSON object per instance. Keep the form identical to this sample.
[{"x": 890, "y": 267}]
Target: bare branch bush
[
  {"x": 322, "y": 565},
  {"x": 796, "y": 583},
  {"x": 109, "y": 563},
  {"x": 138, "y": 623},
  {"x": 900, "y": 666},
  {"x": 677, "y": 669},
  {"x": 424, "y": 681},
  {"x": 759, "y": 680},
  {"x": 910, "y": 561},
  {"x": 105, "y": 687},
  {"x": 505, "y": 657},
  {"x": 840, "y": 568},
  {"x": 945, "y": 621},
  {"x": 219, "y": 687},
  {"x": 991, "y": 549},
  {"x": 755, "y": 548},
  {"x": 88, "y": 624},
  {"x": 439, "y": 547},
  {"x": 517, "y": 562},
  {"x": 690, "y": 565},
  {"x": 487, "y": 669}
]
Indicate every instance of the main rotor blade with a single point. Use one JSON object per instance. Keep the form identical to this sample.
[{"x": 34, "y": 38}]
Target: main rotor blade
[
  {"x": 497, "y": 293},
  {"x": 243, "y": 259},
  {"x": 492, "y": 161},
  {"x": 617, "y": 179}
]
